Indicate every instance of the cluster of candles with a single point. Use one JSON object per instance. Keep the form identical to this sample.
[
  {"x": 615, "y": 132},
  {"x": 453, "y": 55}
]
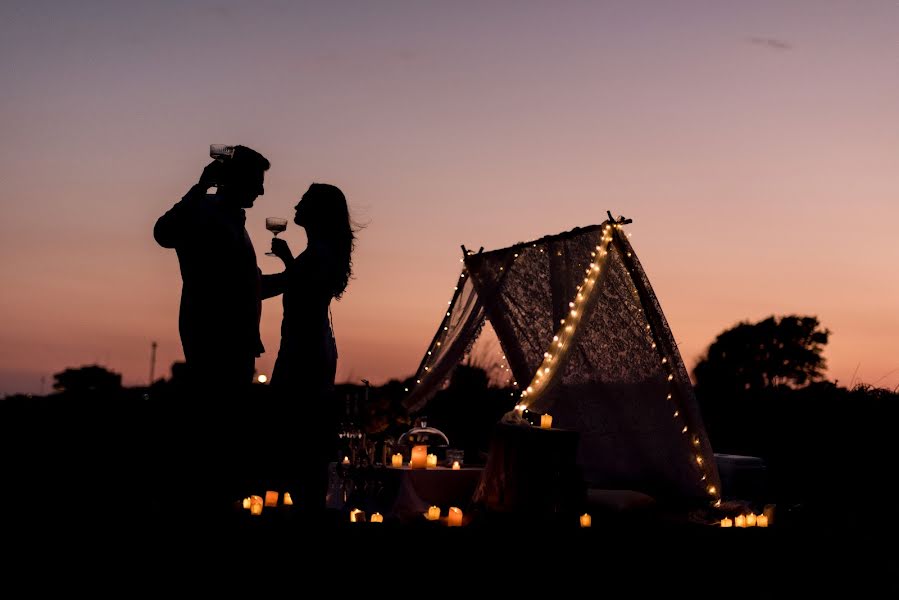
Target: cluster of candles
[
  {"x": 255, "y": 503},
  {"x": 358, "y": 516},
  {"x": 747, "y": 520},
  {"x": 453, "y": 519},
  {"x": 420, "y": 459}
]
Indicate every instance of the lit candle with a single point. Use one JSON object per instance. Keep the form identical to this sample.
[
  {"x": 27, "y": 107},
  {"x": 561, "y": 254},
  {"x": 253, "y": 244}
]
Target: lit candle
[
  {"x": 750, "y": 520},
  {"x": 740, "y": 521},
  {"x": 546, "y": 421},
  {"x": 432, "y": 461},
  {"x": 725, "y": 522},
  {"x": 761, "y": 521},
  {"x": 433, "y": 513},
  {"x": 246, "y": 502},
  {"x": 419, "y": 458},
  {"x": 455, "y": 517},
  {"x": 288, "y": 501},
  {"x": 255, "y": 505},
  {"x": 346, "y": 460},
  {"x": 357, "y": 516},
  {"x": 456, "y": 465},
  {"x": 396, "y": 460},
  {"x": 377, "y": 518},
  {"x": 271, "y": 498},
  {"x": 586, "y": 520}
]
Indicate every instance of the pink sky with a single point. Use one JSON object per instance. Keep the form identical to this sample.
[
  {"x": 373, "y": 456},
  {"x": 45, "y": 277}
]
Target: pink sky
[{"x": 754, "y": 144}]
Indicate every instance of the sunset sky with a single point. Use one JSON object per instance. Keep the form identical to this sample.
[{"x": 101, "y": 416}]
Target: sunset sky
[{"x": 755, "y": 145}]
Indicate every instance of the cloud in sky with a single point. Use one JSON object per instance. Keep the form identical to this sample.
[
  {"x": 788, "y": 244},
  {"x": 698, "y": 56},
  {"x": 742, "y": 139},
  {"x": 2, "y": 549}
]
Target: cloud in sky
[{"x": 772, "y": 43}]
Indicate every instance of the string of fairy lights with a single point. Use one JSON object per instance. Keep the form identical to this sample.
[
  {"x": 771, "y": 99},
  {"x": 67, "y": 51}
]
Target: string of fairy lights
[
  {"x": 562, "y": 341},
  {"x": 565, "y": 336},
  {"x": 442, "y": 331}
]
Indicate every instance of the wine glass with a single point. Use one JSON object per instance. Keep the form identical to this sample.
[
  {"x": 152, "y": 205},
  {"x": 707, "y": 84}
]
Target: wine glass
[
  {"x": 221, "y": 152},
  {"x": 276, "y": 225}
]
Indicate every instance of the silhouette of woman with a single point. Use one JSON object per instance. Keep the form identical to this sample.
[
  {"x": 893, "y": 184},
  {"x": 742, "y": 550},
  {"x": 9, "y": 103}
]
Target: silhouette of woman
[{"x": 302, "y": 382}]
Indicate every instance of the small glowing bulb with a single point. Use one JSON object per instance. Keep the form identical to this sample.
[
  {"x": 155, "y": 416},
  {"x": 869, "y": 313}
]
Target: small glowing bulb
[
  {"x": 670, "y": 377},
  {"x": 262, "y": 379},
  {"x": 712, "y": 489}
]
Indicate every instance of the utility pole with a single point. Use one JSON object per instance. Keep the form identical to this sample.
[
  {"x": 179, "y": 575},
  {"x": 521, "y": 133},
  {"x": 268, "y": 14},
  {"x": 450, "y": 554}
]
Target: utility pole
[{"x": 152, "y": 361}]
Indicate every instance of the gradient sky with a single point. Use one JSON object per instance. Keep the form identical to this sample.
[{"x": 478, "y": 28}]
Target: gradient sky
[{"x": 754, "y": 144}]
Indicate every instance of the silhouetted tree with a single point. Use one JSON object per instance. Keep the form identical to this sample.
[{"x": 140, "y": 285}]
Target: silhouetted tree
[
  {"x": 755, "y": 356},
  {"x": 90, "y": 378}
]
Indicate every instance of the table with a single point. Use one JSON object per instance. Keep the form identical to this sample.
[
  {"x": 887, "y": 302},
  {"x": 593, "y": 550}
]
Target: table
[{"x": 402, "y": 493}]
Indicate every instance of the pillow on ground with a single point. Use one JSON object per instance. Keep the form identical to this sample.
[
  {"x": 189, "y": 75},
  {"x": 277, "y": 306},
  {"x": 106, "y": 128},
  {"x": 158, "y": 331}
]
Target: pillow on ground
[{"x": 618, "y": 500}]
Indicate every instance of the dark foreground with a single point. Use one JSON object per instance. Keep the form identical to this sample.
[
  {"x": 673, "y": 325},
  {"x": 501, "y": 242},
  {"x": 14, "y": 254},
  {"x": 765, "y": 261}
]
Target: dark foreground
[{"x": 335, "y": 558}]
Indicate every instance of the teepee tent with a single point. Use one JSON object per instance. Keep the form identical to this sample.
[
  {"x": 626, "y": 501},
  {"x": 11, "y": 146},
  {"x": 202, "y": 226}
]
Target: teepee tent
[{"x": 583, "y": 338}]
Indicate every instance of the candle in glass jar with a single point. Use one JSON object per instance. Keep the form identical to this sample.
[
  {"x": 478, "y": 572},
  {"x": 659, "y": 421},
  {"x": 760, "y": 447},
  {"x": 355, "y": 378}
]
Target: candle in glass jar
[
  {"x": 433, "y": 513},
  {"x": 246, "y": 502},
  {"x": 419, "y": 458},
  {"x": 357, "y": 516},
  {"x": 255, "y": 505},
  {"x": 271, "y": 498},
  {"x": 288, "y": 501},
  {"x": 396, "y": 460},
  {"x": 346, "y": 460},
  {"x": 456, "y": 465},
  {"x": 455, "y": 517},
  {"x": 586, "y": 520},
  {"x": 546, "y": 421},
  {"x": 432, "y": 461},
  {"x": 740, "y": 521},
  {"x": 377, "y": 518},
  {"x": 761, "y": 520},
  {"x": 726, "y": 522},
  {"x": 750, "y": 520}
]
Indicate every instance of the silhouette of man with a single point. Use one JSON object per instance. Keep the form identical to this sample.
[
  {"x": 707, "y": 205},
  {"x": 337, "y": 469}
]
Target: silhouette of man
[
  {"x": 220, "y": 295},
  {"x": 219, "y": 326}
]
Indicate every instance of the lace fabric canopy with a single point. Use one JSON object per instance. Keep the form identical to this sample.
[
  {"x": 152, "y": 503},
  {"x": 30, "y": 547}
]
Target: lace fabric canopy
[{"x": 584, "y": 338}]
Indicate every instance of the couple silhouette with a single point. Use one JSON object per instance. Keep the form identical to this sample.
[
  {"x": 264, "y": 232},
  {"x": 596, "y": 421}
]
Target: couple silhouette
[{"x": 221, "y": 305}]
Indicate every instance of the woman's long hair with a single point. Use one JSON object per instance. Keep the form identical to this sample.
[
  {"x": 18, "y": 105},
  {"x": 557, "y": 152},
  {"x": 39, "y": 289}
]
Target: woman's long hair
[{"x": 326, "y": 212}]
